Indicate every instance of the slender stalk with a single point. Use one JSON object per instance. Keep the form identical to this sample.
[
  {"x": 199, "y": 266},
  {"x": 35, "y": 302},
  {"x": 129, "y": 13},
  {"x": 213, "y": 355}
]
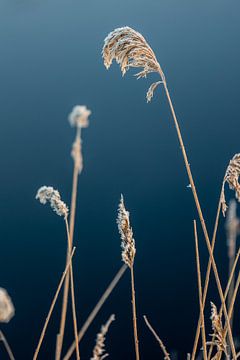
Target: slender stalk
[
  {"x": 73, "y": 295},
  {"x": 52, "y": 306},
  {"x": 162, "y": 346},
  {"x": 96, "y": 309},
  {"x": 200, "y": 292},
  {"x": 60, "y": 336},
  {"x": 230, "y": 312},
  {"x": 225, "y": 296},
  {"x": 6, "y": 345},
  {"x": 200, "y": 214},
  {"x": 209, "y": 267},
  {"x": 134, "y": 315}
]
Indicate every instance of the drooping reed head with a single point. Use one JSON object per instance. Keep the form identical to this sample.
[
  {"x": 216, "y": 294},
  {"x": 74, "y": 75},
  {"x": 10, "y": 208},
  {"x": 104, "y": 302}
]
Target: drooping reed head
[
  {"x": 126, "y": 233},
  {"x": 79, "y": 116},
  {"x": 7, "y": 310},
  {"x": 129, "y": 48},
  {"x": 99, "y": 349},
  {"x": 49, "y": 194},
  {"x": 231, "y": 177}
]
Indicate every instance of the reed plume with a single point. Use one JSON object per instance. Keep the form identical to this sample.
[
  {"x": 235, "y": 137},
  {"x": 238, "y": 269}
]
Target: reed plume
[
  {"x": 49, "y": 194},
  {"x": 130, "y": 49},
  {"x": 78, "y": 118},
  {"x": 231, "y": 177},
  {"x": 219, "y": 338},
  {"x": 99, "y": 349},
  {"x": 128, "y": 256},
  {"x": 7, "y": 310}
]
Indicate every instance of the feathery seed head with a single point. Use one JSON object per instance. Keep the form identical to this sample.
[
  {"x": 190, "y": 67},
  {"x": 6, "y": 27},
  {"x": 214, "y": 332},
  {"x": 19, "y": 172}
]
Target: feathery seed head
[
  {"x": 77, "y": 154},
  {"x": 126, "y": 233},
  {"x": 218, "y": 336},
  {"x": 231, "y": 177},
  {"x": 79, "y": 116},
  {"x": 7, "y": 310},
  {"x": 99, "y": 349},
  {"x": 48, "y": 193},
  {"x": 129, "y": 48}
]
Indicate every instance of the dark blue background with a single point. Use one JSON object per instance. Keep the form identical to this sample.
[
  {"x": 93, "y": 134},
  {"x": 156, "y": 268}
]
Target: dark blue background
[{"x": 50, "y": 60}]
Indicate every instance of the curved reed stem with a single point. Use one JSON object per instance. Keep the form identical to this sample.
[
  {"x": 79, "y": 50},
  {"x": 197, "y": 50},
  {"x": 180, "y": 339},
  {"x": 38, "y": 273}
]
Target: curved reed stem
[
  {"x": 200, "y": 214},
  {"x": 200, "y": 292},
  {"x": 161, "y": 344},
  {"x": 66, "y": 284},
  {"x": 96, "y": 309},
  {"x": 6, "y": 345},
  {"x": 52, "y": 306}
]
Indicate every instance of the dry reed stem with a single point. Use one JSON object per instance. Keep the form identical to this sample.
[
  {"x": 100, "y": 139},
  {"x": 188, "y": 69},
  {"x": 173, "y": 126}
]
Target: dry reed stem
[
  {"x": 52, "y": 306},
  {"x": 200, "y": 292},
  {"x": 72, "y": 223},
  {"x": 139, "y": 55},
  {"x": 73, "y": 295},
  {"x": 96, "y": 309},
  {"x": 226, "y": 292},
  {"x": 204, "y": 228},
  {"x": 6, "y": 345},
  {"x": 162, "y": 346},
  {"x": 233, "y": 302},
  {"x": 134, "y": 315}
]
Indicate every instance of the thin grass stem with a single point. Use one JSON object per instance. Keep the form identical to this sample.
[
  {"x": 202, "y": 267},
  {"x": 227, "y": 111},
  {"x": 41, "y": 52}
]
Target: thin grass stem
[
  {"x": 6, "y": 345},
  {"x": 134, "y": 315},
  {"x": 200, "y": 292},
  {"x": 52, "y": 305},
  {"x": 162, "y": 346}
]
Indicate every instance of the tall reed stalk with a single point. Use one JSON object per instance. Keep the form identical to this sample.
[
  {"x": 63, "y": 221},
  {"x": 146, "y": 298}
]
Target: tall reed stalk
[
  {"x": 130, "y": 49},
  {"x": 79, "y": 119}
]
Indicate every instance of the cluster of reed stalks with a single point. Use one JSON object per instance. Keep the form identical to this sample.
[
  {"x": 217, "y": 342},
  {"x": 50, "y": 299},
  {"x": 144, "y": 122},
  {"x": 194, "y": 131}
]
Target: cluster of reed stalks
[{"x": 130, "y": 50}]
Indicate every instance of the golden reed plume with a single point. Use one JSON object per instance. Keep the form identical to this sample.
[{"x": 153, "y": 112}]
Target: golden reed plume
[{"x": 129, "y": 48}]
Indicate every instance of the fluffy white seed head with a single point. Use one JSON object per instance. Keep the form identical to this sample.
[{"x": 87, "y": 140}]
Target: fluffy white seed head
[
  {"x": 79, "y": 116},
  {"x": 231, "y": 177},
  {"x": 129, "y": 48},
  {"x": 7, "y": 310},
  {"x": 49, "y": 194},
  {"x": 126, "y": 233}
]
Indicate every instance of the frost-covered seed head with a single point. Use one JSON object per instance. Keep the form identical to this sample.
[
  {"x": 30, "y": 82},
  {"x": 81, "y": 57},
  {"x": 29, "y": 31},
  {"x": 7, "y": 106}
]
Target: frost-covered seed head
[
  {"x": 126, "y": 233},
  {"x": 231, "y": 177},
  {"x": 7, "y": 310},
  {"x": 129, "y": 48},
  {"x": 99, "y": 349},
  {"x": 79, "y": 116},
  {"x": 49, "y": 194}
]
